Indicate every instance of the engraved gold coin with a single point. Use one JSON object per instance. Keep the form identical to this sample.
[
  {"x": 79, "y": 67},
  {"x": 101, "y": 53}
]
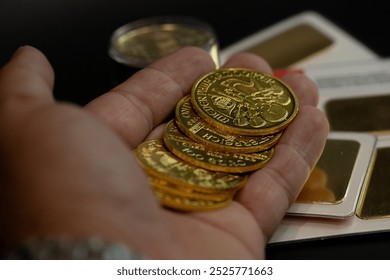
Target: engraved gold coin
[
  {"x": 167, "y": 187},
  {"x": 244, "y": 101},
  {"x": 178, "y": 202},
  {"x": 159, "y": 162},
  {"x": 192, "y": 125},
  {"x": 202, "y": 156}
]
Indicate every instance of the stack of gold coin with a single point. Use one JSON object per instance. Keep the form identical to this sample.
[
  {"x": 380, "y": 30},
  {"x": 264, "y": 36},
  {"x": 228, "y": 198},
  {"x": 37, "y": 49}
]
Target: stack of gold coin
[{"x": 226, "y": 129}]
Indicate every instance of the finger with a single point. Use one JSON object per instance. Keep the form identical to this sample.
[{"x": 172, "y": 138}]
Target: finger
[
  {"x": 26, "y": 79},
  {"x": 136, "y": 106},
  {"x": 271, "y": 190},
  {"x": 304, "y": 88},
  {"x": 156, "y": 133},
  {"x": 250, "y": 61}
]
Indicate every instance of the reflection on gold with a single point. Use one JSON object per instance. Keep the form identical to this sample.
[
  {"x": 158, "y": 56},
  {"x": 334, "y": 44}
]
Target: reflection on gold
[
  {"x": 375, "y": 200},
  {"x": 315, "y": 189},
  {"x": 292, "y": 46},
  {"x": 362, "y": 114},
  {"x": 329, "y": 180}
]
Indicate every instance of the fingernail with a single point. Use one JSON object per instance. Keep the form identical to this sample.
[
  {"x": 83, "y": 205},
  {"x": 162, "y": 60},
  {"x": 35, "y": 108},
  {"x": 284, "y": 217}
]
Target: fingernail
[{"x": 18, "y": 51}]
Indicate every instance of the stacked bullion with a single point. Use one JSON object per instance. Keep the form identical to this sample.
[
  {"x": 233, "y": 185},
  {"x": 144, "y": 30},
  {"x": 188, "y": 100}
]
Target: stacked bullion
[{"x": 224, "y": 130}]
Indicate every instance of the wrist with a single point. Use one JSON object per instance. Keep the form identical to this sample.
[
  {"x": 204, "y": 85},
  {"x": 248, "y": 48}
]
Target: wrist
[{"x": 68, "y": 248}]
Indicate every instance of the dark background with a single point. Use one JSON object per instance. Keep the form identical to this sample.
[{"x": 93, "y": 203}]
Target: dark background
[{"x": 74, "y": 35}]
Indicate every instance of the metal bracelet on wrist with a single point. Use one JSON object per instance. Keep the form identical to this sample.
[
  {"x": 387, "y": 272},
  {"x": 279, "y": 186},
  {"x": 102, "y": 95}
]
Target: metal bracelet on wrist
[{"x": 66, "y": 248}]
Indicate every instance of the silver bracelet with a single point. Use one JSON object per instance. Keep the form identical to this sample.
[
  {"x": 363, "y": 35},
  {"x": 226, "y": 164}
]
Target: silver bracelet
[{"x": 67, "y": 248}]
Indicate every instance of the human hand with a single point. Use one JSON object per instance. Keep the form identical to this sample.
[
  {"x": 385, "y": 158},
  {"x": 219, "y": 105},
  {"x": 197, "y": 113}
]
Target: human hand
[{"x": 70, "y": 170}]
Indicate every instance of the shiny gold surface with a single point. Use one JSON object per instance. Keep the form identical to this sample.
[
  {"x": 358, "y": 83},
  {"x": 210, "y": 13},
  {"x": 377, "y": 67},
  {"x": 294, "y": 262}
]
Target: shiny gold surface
[
  {"x": 362, "y": 114},
  {"x": 202, "y": 156},
  {"x": 244, "y": 101},
  {"x": 177, "y": 190},
  {"x": 181, "y": 203},
  {"x": 374, "y": 202},
  {"x": 160, "y": 163},
  {"x": 199, "y": 130},
  {"x": 329, "y": 181},
  {"x": 198, "y": 166},
  {"x": 316, "y": 189},
  {"x": 291, "y": 46}
]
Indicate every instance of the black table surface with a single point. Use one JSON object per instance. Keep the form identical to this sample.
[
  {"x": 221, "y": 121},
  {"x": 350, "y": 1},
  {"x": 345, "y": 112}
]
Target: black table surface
[{"x": 74, "y": 36}]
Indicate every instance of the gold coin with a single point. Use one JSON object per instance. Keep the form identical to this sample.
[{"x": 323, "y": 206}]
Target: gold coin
[
  {"x": 159, "y": 162},
  {"x": 141, "y": 42},
  {"x": 167, "y": 187},
  {"x": 192, "y": 125},
  {"x": 178, "y": 202},
  {"x": 244, "y": 101},
  {"x": 202, "y": 156}
]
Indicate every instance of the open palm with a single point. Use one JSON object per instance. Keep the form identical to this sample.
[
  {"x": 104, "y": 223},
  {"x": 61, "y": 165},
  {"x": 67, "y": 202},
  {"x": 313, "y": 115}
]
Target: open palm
[{"x": 72, "y": 170}]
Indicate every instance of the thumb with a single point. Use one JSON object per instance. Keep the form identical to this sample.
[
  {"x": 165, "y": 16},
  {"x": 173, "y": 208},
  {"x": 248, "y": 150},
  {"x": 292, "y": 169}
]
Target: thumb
[{"x": 26, "y": 79}]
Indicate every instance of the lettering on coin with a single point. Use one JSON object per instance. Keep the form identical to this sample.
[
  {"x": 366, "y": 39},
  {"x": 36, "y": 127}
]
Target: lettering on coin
[{"x": 244, "y": 101}]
